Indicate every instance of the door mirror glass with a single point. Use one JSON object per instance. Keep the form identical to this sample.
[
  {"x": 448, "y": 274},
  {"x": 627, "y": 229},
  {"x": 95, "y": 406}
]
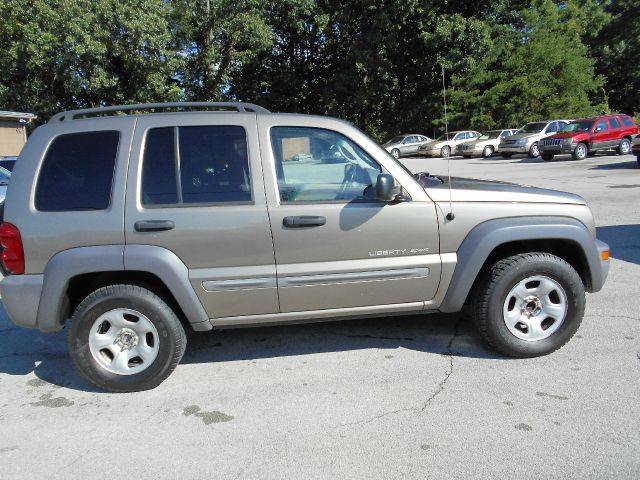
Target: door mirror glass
[{"x": 385, "y": 188}]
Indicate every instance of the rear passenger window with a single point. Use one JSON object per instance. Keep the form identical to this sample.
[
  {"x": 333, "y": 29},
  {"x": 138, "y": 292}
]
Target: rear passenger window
[
  {"x": 627, "y": 122},
  {"x": 208, "y": 165},
  {"x": 614, "y": 122},
  {"x": 77, "y": 172}
]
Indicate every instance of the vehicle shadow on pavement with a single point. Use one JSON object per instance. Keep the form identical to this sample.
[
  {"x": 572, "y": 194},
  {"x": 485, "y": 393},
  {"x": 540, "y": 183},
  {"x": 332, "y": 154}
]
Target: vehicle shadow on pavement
[
  {"x": 433, "y": 333},
  {"x": 630, "y": 164},
  {"x": 26, "y": 351},
  {"x": 624, "y": 241}
]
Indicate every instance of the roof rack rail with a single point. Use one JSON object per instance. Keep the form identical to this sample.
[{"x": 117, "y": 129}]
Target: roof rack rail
[{"x": 95, "y": 112}]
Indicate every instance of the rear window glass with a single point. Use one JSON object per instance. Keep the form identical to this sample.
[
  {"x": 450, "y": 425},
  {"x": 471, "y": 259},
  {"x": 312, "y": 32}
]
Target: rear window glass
[
  {"x": 77, "y": 172},
  {"x": 627, "y": 122},
  {"x": 613, "y": 121},
  {"x": 210, "y": 165}
]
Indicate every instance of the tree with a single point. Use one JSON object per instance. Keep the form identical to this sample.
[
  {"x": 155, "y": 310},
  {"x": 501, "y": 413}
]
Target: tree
[
  {"x": 215, "y": 38},
  {"x": 79, "y": 53},
  {"x": 535, "y": 68},
  {"x": 616, "y": 48}
]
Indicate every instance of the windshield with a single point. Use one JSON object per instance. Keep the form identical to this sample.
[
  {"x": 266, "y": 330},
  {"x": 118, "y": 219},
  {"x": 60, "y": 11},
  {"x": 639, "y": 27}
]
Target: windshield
[
  {"x": 533, "y": 127},
  {"x": 580, "y": 126},
  {"x": 396, "y": 140},
  {"x": 490, "y": 135}
]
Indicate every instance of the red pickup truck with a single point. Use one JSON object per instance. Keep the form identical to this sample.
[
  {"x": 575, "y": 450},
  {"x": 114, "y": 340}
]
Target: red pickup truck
[{"x": 588, "y": 135}]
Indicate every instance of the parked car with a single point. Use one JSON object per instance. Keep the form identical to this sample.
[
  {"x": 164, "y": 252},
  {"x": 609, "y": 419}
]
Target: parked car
[
  {"x": 636, "y": 148},
  {"x": 590, "y": 135},
  {"x": 8, "y": 162},
  {"x": 446, "y": 143},
  {"x": 485, "y": 145},
  {"x": 526, "y": 139},
  {"x": 5, "y": 176},
  {"x": 403, "y": 145},
  {"x": 201, "y": 222}
]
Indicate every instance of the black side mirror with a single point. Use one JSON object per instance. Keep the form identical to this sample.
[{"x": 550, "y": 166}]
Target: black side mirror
[
  {"x": 597, "y": 130},
  {"x": 385, "y": 188}
]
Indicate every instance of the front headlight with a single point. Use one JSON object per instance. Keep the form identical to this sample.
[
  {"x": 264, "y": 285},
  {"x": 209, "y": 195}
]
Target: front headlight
[
  {"x": 566, "y": 141},
  {"x": 523, "y": 141}
]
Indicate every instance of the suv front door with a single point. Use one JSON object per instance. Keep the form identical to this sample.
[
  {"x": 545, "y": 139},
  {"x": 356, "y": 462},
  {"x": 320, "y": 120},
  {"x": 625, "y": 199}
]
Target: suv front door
[
  {"x": 201, "y": 175},
  {"x": 336, "y": 247}
]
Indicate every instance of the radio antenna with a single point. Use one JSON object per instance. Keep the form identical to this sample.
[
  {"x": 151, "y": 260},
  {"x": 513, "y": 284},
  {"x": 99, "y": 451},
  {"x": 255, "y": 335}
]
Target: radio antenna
[{"x": 450, "y": 216}]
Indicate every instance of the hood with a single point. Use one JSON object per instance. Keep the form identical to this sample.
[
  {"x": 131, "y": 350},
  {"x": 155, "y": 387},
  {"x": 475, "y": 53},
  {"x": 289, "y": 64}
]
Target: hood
[
  {"x": 475, "y": 190},
  {"x": 518, "y": 136},
  {"x": 436, "y": 143},
  {"x": 484, "y": 141},
  {"x": 569, "y": 135}
]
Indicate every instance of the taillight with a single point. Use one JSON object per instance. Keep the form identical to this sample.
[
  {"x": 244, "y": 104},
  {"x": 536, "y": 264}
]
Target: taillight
[{"x": 12, "y": 251}]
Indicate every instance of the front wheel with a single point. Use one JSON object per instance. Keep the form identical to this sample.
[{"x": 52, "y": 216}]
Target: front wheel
[
  {"x": 125, "y": 338},
  {"x": 625, "y": 147},
  {"x": 395, "y": 153},
  {"x": 529, "y": 304},
  {"x": 487, "y": 152},
  {"x": 534, "y": 151},
  {"x": 445, "y": 151},
  {"x": 580, "y": 152}
]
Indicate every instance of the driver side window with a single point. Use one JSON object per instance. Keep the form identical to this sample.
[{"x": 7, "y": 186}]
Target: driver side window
[{"x": 320, "y": 166}]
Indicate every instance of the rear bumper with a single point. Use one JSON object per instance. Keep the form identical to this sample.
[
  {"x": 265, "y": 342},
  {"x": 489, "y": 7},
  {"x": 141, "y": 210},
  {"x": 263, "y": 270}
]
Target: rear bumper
[{"x": 21, "y": 297}]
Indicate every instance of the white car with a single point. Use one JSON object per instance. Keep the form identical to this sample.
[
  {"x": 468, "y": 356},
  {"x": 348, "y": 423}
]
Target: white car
[
  {"x": 446, "y": 143},
  {"x": 405, "y": 144},
  {"x": 485, "y": 145}
]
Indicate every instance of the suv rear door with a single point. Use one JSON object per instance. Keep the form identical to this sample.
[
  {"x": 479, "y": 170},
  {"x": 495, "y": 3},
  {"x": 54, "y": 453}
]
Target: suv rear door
[
  {"x": 336, "y": 247},
  {"x": 202, "y": 172}
]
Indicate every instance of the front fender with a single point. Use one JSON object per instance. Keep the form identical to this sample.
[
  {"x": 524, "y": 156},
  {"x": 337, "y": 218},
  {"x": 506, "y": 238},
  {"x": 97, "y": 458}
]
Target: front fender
[{"x": 486, "y": 237}]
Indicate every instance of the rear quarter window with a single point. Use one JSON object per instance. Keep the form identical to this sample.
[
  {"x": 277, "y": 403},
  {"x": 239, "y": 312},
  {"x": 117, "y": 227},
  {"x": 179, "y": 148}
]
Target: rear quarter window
[
  {"x": 627, "y": 122},
  {"x": 77, "y": 172}
]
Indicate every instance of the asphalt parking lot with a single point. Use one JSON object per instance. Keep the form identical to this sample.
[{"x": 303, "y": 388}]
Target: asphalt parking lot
[{"x": 403, "y": 397}]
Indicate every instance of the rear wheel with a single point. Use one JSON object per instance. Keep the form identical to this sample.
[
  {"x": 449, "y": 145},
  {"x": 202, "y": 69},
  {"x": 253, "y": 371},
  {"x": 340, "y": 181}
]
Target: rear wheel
[
  {"x": 580, "y": 152},
  {"x": 487, "y": 152},
  {"x": 547, "y": 157},
  {"x": 625, "y": 147},
  {"x": 125, "y": 338},
  {"x": 529, "y": 304}
]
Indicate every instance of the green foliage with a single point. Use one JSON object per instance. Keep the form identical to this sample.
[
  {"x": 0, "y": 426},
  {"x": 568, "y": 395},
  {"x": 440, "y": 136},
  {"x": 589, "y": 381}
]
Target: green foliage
[
  {"x": 79, "y": 53},
  {"x": 377, "y": 64},
  {"x": 616, "y": 50}
]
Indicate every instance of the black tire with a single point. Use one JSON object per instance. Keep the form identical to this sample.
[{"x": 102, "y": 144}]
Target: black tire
[
  {"x": 547, "y": 157},
  {"x": 172, "y": 340},
  {"x": 533, "y": 150},
  {"x": 580, "y": 152},
  {"x": 506, "y": 155},
  {"x": 499, "y": 279},
  {"x": 487, "y": 151},
  {"x": 624, "y": 148},
  {"x": 445, "y": 151},
  {"x": 395, "y": 153}
]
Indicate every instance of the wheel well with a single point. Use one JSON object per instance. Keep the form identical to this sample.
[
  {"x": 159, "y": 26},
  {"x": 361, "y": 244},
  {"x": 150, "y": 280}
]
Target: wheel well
[
  {"x": 568, "y": 250},
  {"x": 82, "y": 285}
]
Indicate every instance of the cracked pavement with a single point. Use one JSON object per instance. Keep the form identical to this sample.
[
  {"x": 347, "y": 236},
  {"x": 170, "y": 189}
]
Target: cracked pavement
[{"x": 402, "y": 397}]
